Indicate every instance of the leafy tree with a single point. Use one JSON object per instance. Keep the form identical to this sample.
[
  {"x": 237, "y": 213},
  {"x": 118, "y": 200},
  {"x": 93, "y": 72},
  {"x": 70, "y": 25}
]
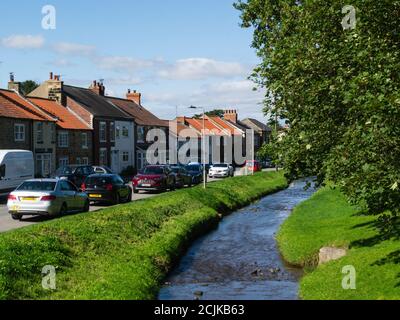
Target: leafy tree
[
  {"x": 28, "y": 86},
  {"x": 213, "y": 113},
  {"x": 338, "y": 89}
]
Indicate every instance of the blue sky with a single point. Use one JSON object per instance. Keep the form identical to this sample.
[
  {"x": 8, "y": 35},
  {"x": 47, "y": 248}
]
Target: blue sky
[{"x": 175, "y": 52}]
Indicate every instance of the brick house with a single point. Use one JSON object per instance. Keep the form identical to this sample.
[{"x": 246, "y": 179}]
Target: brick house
[
  {"x": 102, "y": 117},
  {"x": 74, "y": 136},
  {"x": 26, "y": 127},
  {"x": 262, "y": 133},
  {"x": 144, "y": 120}
]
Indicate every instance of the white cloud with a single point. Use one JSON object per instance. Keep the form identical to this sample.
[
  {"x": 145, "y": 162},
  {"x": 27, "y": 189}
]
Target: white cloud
[
  {"x": 237, "y": 95},
  {"x": 124, "y": 81},
  {"x": 202, "y": 68},
  {"x": 23, "y": 42},
  {"x": 62, "y": 63},
  {"x": 123, "y": 64},
  {"x": 69, "y": 48}
]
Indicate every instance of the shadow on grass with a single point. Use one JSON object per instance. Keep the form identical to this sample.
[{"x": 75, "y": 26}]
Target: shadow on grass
[{"x": 388, "y": 228}]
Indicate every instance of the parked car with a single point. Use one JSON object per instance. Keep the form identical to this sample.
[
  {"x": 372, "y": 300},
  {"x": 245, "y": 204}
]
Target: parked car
[
  {"x": 253, "y": 165},
  {"x": 266, "y": 164},
  {"x": 74, "y": 173},
  {"x": 154, "y": 178},
  {"x": 107, "y": 188},
  {"x": 196, "y": 172},
  {"x": 221, "y": 170},
  {"x": 102, "y": 170},
  {"x": 182, "y": 176},
  {"x": 16, "y": 166},
  {"x": 46, "y": 197}
]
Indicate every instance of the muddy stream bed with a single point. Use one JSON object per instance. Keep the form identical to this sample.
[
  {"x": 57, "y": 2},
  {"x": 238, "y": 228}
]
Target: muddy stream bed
[{"x": 240, "y": 260}]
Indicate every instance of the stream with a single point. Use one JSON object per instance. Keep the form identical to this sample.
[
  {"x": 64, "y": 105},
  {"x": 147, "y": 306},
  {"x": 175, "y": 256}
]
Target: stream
[{"x": 240, "y": 259}]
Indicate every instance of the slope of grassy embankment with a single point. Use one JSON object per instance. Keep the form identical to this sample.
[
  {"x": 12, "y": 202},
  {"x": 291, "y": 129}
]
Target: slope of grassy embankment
[
  {"x": 121, "y": 252},
  {"x": 326, "y": 219}
]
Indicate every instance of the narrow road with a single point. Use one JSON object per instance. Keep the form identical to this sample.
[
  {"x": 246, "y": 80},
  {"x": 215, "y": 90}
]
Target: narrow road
[{"x": 6, "y": 223}]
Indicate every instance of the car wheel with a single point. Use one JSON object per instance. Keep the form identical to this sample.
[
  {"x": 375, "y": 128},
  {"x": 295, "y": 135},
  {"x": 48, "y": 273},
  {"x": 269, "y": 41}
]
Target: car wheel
[
  {"x": 135, "y": 191},
  {"x": 117, "y": 199},
  {"x": 129, "y": 198},
  {"x": 86, "y": 208},
  {"x": 63, "y": 210},
  {"x": 16, "y": 216}
]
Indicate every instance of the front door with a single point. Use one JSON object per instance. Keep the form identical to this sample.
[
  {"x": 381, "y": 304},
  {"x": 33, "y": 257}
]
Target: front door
[{"x": 43, "y": 165}]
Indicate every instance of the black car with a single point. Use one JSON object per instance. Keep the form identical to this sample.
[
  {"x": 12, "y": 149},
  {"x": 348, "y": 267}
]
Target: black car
[
  {"x": 196, "y": 172},
  {"x": 74, "y": 173},
  {"x": 182, "y": 176},
  {"x": 107, "y": 188}
]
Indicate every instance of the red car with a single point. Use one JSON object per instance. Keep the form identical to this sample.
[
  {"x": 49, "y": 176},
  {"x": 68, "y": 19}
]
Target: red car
[
  {"x": 154, "y": 178},
  {"x": 253, "y": 166}
]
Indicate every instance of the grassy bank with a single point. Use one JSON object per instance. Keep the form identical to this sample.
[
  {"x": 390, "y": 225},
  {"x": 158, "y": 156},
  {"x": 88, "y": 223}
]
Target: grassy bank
[
  {"x": 328, "y": 220},
  {"x": 121, "y": 252}
]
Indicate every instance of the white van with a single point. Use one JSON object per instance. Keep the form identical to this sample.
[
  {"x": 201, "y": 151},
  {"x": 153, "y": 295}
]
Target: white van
[{"x": 16, "y": 166}]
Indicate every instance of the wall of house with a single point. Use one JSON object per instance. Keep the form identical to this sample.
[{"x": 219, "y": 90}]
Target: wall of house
[
  {"x": 99, "y": 145},
  {"x": 123, "y": 144},
  {"x": 7, "y": 138},
  {"x": 75, "y": 149}
]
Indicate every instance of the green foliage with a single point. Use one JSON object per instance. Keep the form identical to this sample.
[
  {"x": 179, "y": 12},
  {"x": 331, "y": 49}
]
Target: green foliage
[
  {"x": 213, "y": 113},
  {"x": 28, "y": 86},
  {"x": 122, "y": 252},
  {"x": 338, "y": 89},
  {"x": 327, "y": 219}
]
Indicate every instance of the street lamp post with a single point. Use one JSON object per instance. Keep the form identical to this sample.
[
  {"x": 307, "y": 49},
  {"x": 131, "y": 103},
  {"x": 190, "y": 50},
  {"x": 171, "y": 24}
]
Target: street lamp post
[{"x": 204, "y": 143}]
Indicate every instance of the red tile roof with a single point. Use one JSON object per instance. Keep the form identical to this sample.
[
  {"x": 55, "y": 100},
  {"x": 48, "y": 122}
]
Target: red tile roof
[
  {"x": 14, "y": 106},
  {"x": 66, "y": 119},
  {"x": 210, "y": 127},
  {"x": 225, "y": 125}
]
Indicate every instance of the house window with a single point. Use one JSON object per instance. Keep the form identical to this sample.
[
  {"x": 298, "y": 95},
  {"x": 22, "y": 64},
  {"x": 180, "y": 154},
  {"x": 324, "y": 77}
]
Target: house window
[
  {"x": 64, "y": 161},
  {"x": 85, "y": 141},
  {"x": 117, "y": 132},
  {"x": 63, "y": 139},
  {"x": 103, "y": 157},
  {"x": 125, "y": 132},
  {"x": 140, "y": 134},
  {"x": 112, "y": 131},
  {"x": 85, "y": 161},
  {"x": 19, "y": 132},
  {"x": 78, "y": 161},
  {"x": 39, "y": 132},
  {"x": 102, "y": 132},
  {"x": 125, "y": 156}
]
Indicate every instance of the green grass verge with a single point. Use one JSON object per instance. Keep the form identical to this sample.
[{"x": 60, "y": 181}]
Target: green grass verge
[
  {"x": 121, "y": 252},
  {"x": 326, "y": 219}
]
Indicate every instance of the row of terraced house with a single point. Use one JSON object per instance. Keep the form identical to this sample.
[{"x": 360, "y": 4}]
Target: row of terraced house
[{"x": 64, "y": 125}]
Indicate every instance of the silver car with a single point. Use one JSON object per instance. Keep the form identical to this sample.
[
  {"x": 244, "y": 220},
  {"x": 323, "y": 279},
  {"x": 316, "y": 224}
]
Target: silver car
[
  {"x": 46, "y": 197},
  {"x": 221, "y": 170}
]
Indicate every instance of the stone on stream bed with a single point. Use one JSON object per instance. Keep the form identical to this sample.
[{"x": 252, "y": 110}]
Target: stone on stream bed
[{"x": 327, "y": 254}]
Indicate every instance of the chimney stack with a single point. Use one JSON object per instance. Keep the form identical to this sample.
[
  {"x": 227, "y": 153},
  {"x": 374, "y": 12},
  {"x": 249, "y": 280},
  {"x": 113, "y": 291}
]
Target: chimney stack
[
  {"x": 55, "y": 88},
  {"x": 12, "y": 85},
  {"x": 98, "y": 88},
  {"x": 231, "y": 115},
  {"x": 134, "y": 96}
]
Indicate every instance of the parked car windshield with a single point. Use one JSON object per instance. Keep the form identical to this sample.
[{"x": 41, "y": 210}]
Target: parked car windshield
[
  {"x": 193, "y": 167},
  {"x": 37, "y": 186},
  {"x": 153, "y": 170},
  {"x": 65, "y": 170},
  {"x": 220, "y": 165}
]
